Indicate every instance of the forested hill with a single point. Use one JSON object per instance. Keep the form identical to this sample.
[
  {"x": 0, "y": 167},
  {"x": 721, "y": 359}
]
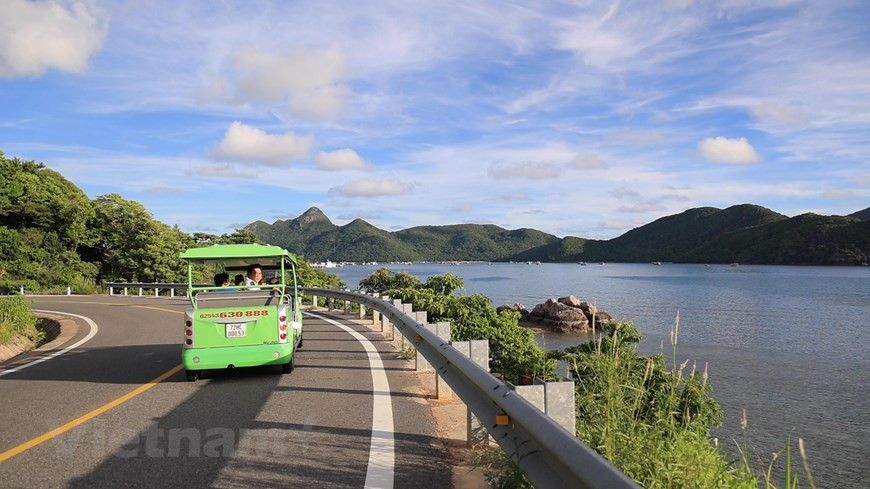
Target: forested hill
[{"x": 742, "y": 233}]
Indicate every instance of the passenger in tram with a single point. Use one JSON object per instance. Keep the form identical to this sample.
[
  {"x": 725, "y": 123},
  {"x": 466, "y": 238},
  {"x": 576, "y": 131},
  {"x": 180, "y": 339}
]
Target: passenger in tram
[
  {"x": 255, "y": 275},
  {"x": 223, "y": 280}
]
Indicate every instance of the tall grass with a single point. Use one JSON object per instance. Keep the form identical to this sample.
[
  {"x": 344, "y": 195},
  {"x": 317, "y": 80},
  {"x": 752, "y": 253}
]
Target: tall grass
[{"x": 16, "y": 317}]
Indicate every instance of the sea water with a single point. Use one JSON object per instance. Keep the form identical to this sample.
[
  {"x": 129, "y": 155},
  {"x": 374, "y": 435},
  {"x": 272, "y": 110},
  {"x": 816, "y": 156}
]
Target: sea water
[{"x": 790, "y": 345}]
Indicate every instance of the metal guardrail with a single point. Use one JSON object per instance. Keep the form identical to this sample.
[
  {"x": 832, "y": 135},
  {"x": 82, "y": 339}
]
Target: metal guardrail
[
  {"x": 548, "y": 455},
  {"x": 156, "y": 286}
]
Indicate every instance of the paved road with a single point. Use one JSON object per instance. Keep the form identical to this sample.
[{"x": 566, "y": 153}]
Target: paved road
[{"x": 244, "y": 428}]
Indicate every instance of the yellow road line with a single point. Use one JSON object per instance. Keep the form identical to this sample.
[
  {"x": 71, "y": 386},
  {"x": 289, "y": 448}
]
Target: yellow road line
[
  {"x": 159, "y": 309},
  {"x": 96, "y": 412}
]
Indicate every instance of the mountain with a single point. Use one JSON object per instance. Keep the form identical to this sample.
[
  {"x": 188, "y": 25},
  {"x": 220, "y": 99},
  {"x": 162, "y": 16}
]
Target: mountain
[
  {"x": 742, "y": 233},
  {"x": 862, "y": 215}
]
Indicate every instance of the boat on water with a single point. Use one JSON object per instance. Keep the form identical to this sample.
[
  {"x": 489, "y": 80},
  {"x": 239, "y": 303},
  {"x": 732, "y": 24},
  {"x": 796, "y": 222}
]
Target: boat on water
[
  {"x": 656, "y": 263},
  {"x": 582, "y": 263}
]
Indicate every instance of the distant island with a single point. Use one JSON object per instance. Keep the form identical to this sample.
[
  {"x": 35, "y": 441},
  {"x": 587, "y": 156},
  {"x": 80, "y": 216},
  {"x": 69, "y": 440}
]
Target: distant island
[{"x": 742, "y": 233}]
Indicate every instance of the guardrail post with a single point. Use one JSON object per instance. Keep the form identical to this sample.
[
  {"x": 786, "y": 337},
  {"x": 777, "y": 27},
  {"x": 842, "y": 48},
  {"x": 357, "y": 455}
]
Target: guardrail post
[
  {"x": 125, "y": 291},
  {"x": 111, "y": 290},
  {"x": 21, "y": 290},
  {"x": 347, "y": 304},
  {"x": 156, "y": 291},
  {"x": 376, "y": 315},
  {"x": 478, "y": 351},
  {"x": 172, "y": 292},
  {"x": 140, "y": 291},
  {"x": 68, "y": 290},
  {"x": 423, "y": 365},
  {"x": 442, "y": 390},
  {"x": 420, "y": 318},
  {"x": 330, "y": 302},
  {"x": 560, "y": 404},
  {"x": 408, "y": 309},
  {"x": 314, "y": 302},
  {"x": 362, "y": 311},
  {"x": 555, "y": 399}
]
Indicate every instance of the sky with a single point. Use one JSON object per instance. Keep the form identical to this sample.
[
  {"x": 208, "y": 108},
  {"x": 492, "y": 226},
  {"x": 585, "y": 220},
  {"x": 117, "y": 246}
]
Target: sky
[{"x": 580, "y": 118}]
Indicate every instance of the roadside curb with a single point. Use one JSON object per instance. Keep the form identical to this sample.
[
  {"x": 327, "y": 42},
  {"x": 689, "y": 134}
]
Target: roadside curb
[{"x": 59, "y": 328}]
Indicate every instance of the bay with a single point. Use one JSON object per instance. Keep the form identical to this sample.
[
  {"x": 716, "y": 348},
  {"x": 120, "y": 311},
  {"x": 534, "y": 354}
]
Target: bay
[{"x": 787, "y": 344}]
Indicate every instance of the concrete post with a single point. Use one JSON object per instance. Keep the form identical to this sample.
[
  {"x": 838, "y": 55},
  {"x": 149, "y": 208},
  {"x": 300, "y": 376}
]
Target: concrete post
[
  {"x": 21, "y": 290},
  {"x": 476, "y": 431},
  {"x": 362, "y": 311},
  {"x": 140, "y": 291},
  {"x": 172, "y": 292},
  {"x": 111, "y": 290},
  {"x": 330, "y": 303},
  {"x": 423, "y": 365},
  {"x": 408, "y": 309},
  {"x": 313, "y": 302},
  {"x": 555, "y": 399},
  {"x": 560, "y": 404},
  {"x": 68, "y": 290},
  {"x": 376, "y": 315},
  {"x": 125, "y": 291},
  {"x": 156, "y": 291},
  {"x": 347, "y": 304}
]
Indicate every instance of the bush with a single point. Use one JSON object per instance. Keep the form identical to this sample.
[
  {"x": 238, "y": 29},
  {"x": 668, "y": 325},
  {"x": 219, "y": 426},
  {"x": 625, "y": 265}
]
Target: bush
[
  {"x": 513, "y": 351},
  {"x": 16, "y": 318}
]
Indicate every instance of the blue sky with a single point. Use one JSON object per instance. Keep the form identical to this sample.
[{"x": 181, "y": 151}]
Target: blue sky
[{"x": 576, "y": 118}]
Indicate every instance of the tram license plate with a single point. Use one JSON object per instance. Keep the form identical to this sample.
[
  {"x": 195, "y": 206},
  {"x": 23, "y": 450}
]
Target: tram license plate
[{"x": 236, "y": 330}]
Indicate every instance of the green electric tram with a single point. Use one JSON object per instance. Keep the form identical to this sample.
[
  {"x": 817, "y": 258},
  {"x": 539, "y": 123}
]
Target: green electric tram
[{"x": 251, "y": 324}]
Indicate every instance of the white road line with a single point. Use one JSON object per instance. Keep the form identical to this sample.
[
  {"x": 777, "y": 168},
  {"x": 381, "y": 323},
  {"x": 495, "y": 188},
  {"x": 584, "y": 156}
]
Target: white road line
[
  {"x": 82, "y": 341},
  {"x": 382, "y": 453}
]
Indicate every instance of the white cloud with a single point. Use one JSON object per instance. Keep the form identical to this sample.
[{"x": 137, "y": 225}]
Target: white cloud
[
  {"x": 517, "y": 197},
  {"x": 321, "y": 103},
  {"x": 641, "y": 208},
  {"x": 623, "y": 192},
  {"x": 724, "y": 150},
  {"x": 772, "y": 112},
  {"x": 247, "y": 143},
  {"x": 270, "y": 77},
  {"x": 587, "y": 161},
  {"x": 836, "y": 194},
  {"x": 164, "y": 190},
  {"x": 38, "y": 36},
  {"x": 308, "y": 80},
  {"x": 372, "y": 188},
  {"x": 342, "y": 159},
  {"x": 221, "y": 171},
  {"x": 638, "y": 138},
  {"x": 533, "y": 171}
]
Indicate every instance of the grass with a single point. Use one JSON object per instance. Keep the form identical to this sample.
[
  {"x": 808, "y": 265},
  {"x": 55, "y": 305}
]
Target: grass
[
  {"x": 16, "y": 318},
  {"x": 650, "y": 420}
]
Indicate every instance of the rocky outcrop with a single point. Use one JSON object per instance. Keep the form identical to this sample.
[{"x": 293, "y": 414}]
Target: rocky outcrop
[
  {"x": 568, "y": 315},
  {"x": 520, "y": 308}
]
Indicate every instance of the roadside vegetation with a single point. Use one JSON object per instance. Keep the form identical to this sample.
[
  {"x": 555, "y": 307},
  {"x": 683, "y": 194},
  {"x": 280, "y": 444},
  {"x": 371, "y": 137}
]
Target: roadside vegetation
[
  {"x": 650, "y": 419},
  {"x": 16, "y": 318},
  {"x": 52, "y": 236}
]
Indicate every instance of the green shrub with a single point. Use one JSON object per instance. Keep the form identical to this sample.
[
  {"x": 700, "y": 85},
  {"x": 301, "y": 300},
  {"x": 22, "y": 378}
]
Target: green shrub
[{"x": 16, "y": 317}]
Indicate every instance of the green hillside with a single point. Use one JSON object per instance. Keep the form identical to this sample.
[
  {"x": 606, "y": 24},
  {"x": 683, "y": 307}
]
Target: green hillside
[
  {"x": 742, "y": 233},
  {"x": 862, "y": 215},
  {"x": 671, "y": 238}
]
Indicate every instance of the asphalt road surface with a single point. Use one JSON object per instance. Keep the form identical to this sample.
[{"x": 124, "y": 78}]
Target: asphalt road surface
[{"x": 116, "y": 411}]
